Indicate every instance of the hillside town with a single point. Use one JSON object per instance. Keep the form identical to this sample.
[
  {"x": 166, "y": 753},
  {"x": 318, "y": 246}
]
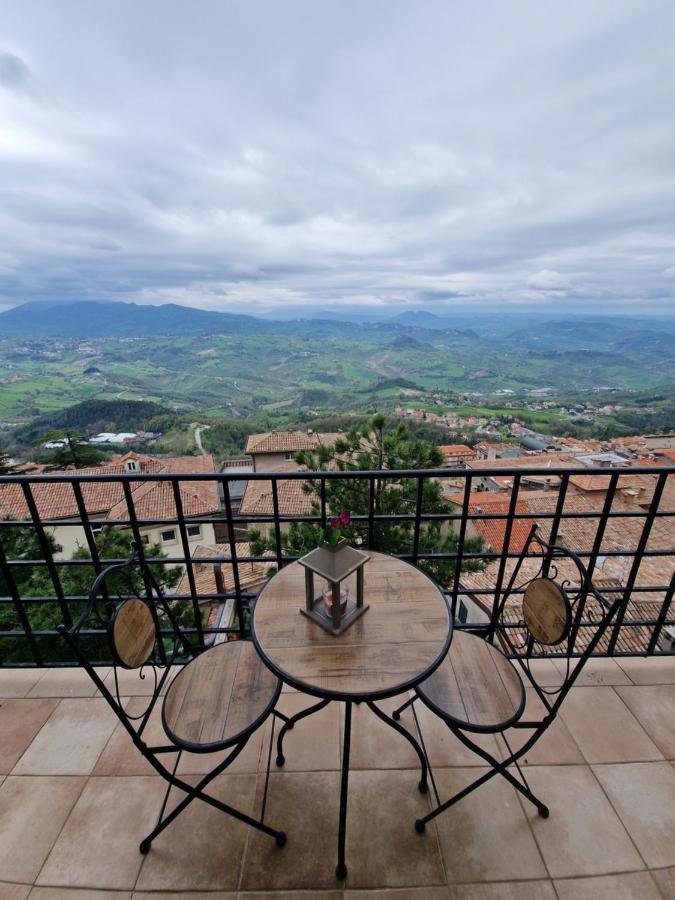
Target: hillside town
[{"x": 205, "y": 539}]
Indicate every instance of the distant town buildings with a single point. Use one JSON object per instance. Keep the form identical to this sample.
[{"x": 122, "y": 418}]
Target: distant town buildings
[
  {"x": 152, "y": 500},
  {"x": 273, "y": 449}
]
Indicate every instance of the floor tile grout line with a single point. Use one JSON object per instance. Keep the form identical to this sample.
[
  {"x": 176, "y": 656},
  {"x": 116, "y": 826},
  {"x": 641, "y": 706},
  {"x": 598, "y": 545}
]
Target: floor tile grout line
[
  {"x": 627, "y": 674},
  {"x": 439, "y": 845},
  {"x": 612, "y": 762},
  {"x": 636, "y": 717},
  {"x": 522, "y": 800},
  {"x": 257, "y": 775},
  {"x": 35, "y": 736},
  {"x": 65, "y": 821},
  {"x": 616, "y": 812},
  {"x": 656, "y": 884}
]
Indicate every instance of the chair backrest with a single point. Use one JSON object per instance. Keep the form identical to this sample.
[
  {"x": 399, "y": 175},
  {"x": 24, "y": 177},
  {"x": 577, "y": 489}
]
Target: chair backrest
[
  {"x": 127, "y": 613},
  {"x": 560, "y": 613},
  {"x": 547, "y": 611},
  {"x": 133, "y": 633}
]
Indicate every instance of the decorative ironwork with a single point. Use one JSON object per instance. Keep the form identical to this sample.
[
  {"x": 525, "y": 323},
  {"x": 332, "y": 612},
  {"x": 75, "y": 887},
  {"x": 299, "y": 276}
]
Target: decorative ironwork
[{"x": 648, "y": 622}]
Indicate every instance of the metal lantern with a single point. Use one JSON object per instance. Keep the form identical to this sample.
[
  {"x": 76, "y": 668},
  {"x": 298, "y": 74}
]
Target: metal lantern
[{"x": 335, "y": 608}]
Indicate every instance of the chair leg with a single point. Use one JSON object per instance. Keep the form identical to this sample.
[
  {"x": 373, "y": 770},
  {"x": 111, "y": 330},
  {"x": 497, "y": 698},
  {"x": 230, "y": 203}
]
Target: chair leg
[
  {"x": 497, "y": 768},
  {"x": 193, "y": 792},
  {"x": 423, "y": 784},
  {"x": 168, "y": 791},
  {"x": 397, "y": 712},
  {"x": 288, "y": 726}
]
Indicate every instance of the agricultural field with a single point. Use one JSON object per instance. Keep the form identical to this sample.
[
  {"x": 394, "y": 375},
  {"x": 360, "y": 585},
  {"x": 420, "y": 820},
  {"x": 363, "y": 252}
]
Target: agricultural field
[{"x": 283, "y": 372}]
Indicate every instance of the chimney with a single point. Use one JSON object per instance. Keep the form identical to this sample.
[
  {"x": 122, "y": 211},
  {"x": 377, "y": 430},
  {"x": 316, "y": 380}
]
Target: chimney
[{"x": 218, "y": 573}]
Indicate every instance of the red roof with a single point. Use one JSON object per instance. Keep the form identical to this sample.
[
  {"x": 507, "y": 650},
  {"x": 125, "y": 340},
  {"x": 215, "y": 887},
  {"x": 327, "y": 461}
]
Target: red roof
[
  {"x": 456, "y": 450},
  {"x": 289, "y": 441},
  {"x": 152, "y": 499},
  {"x": 493, "y": 531}
]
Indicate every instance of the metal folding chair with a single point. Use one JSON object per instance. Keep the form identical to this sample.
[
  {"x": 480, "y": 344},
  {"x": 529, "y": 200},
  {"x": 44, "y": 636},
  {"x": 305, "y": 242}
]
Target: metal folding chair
[
  {"x": 478, "y": 688},
  {"x": 219, "y": 697}
]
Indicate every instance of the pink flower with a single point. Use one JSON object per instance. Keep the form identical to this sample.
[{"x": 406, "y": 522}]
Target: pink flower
[
  {"x": 335, "y": 522},
  {"x": 345, "y": 518}
]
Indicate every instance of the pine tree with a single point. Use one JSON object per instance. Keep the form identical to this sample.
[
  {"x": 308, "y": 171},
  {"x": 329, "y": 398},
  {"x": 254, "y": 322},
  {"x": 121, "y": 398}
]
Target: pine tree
[
  {"x": 373, "y": 447},
  {"x": 72, "y": 452},
  {"x": 21, "y": 543}
]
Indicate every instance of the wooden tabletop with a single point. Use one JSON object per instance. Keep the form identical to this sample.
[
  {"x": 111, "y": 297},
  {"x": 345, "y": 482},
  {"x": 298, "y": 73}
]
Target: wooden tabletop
[{"x": 394, "y": 645}]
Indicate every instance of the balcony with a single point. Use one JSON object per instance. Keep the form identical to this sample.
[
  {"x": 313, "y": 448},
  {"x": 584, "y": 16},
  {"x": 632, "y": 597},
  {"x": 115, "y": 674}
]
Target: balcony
[{"x": 76, "y": 797}]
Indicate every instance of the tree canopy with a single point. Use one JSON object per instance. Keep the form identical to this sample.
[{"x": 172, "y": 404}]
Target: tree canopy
[
  {"x": 378, "y": 446},
  {"x": 21, "y": 543},
  {"x": 72, "y": 450}
]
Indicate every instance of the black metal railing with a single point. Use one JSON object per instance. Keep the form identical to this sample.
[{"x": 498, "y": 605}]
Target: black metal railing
[{"x": 34, "y": 575}]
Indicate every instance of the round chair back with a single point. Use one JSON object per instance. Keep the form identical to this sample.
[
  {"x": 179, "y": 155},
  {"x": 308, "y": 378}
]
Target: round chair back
[
  {"x": 547, "y": 611},
  {"x": 133, "y": 633}
]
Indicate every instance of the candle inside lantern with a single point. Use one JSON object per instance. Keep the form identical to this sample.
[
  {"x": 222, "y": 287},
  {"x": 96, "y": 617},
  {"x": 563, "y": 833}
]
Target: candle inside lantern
[{"x": 328, "y": 600}]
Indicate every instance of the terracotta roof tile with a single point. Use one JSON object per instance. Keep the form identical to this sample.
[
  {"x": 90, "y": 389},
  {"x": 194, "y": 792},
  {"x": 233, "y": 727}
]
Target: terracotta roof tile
[
  {"x": 289, "y": 441},
  {"x": 456, "y": 450},
  {"x": 251, "y": 574},
  {"x": 292, "y": 496},
  {"x": 152, "y": 500},
  {"x": 654, "y": 571}
]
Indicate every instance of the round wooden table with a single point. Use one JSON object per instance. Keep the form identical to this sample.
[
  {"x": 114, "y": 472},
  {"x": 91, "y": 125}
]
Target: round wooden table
[{"x": 396, "y": 644}]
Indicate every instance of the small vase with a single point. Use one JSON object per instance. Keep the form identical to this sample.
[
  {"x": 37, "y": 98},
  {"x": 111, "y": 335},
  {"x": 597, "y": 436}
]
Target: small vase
[{"x": 334, "y": 549}]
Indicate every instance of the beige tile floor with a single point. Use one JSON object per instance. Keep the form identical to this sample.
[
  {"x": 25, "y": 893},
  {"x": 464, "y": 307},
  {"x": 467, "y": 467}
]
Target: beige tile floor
[{"x": 75, "y": 799}]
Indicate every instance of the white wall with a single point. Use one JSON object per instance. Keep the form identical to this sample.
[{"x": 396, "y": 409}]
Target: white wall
[{"x": 70, "y": 537}]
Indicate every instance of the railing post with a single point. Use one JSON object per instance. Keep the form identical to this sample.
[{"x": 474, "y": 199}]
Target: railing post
[
  {"x": 418, "y": 513},
  {"x": 637, "y": 560},
  {"x": 47, "y": 553},
  {"x": 595, "y": 552},
  {"x": 663, "y": 612},
  {"x": 277, "y": 525},
  {"x": 7, "y": 574},
  {"x": 185, "y": 543},
  {"x": 459, "y": 558},
  {"x": 371, "y": 513},
  {"x": 233, "y": 554},
  {"x": 89, "y": 534},
  {"x": 505, "y": 550}
]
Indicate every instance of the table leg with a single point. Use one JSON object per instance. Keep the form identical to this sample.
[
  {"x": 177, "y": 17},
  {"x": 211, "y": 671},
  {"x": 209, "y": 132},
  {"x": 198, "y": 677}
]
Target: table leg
[
  {"x": 341, "y": 868},
  {"x": 423, "y": 785},
  {"x": 290, "y": 722}
]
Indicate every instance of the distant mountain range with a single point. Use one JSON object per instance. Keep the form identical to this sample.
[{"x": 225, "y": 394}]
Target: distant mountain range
[
  {"x": 91, "y": 319},
  {"x": 246, "y": 367}
]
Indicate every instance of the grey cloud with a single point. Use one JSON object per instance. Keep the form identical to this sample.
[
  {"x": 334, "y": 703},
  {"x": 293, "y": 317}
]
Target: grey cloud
[
  {"x": 548, "y": 281},
  {"x": 340, "y": 154},
  {"x": 14, "y": 73}
]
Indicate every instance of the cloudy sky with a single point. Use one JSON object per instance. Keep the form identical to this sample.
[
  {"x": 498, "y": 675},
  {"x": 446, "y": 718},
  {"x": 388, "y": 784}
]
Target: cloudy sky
[{"x": 292, "y": 155}]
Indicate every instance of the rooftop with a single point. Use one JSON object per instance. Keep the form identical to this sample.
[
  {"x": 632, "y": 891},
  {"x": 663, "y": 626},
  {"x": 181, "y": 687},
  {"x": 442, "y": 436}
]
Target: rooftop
[
  {"x": 289, "y": 441},
  {"x": 75, "y": 798},
  {"x": 152, "y": 499},
  {"x": 292, "y": 496},
  {"x": 455, "y": 450}
]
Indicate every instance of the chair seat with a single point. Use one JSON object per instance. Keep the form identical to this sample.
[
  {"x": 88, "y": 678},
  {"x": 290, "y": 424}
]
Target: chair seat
[
  {"x": 476, "y": 687},
  {"x": 219, "y": 697}
]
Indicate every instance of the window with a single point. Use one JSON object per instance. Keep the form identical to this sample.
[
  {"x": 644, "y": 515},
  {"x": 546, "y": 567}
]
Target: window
[
  {"x": 145, "y": 539},
  {"x": 168, "y": 535},
  {"x": 290, "y": 455},
  {"x": 194, "y": 531}
]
